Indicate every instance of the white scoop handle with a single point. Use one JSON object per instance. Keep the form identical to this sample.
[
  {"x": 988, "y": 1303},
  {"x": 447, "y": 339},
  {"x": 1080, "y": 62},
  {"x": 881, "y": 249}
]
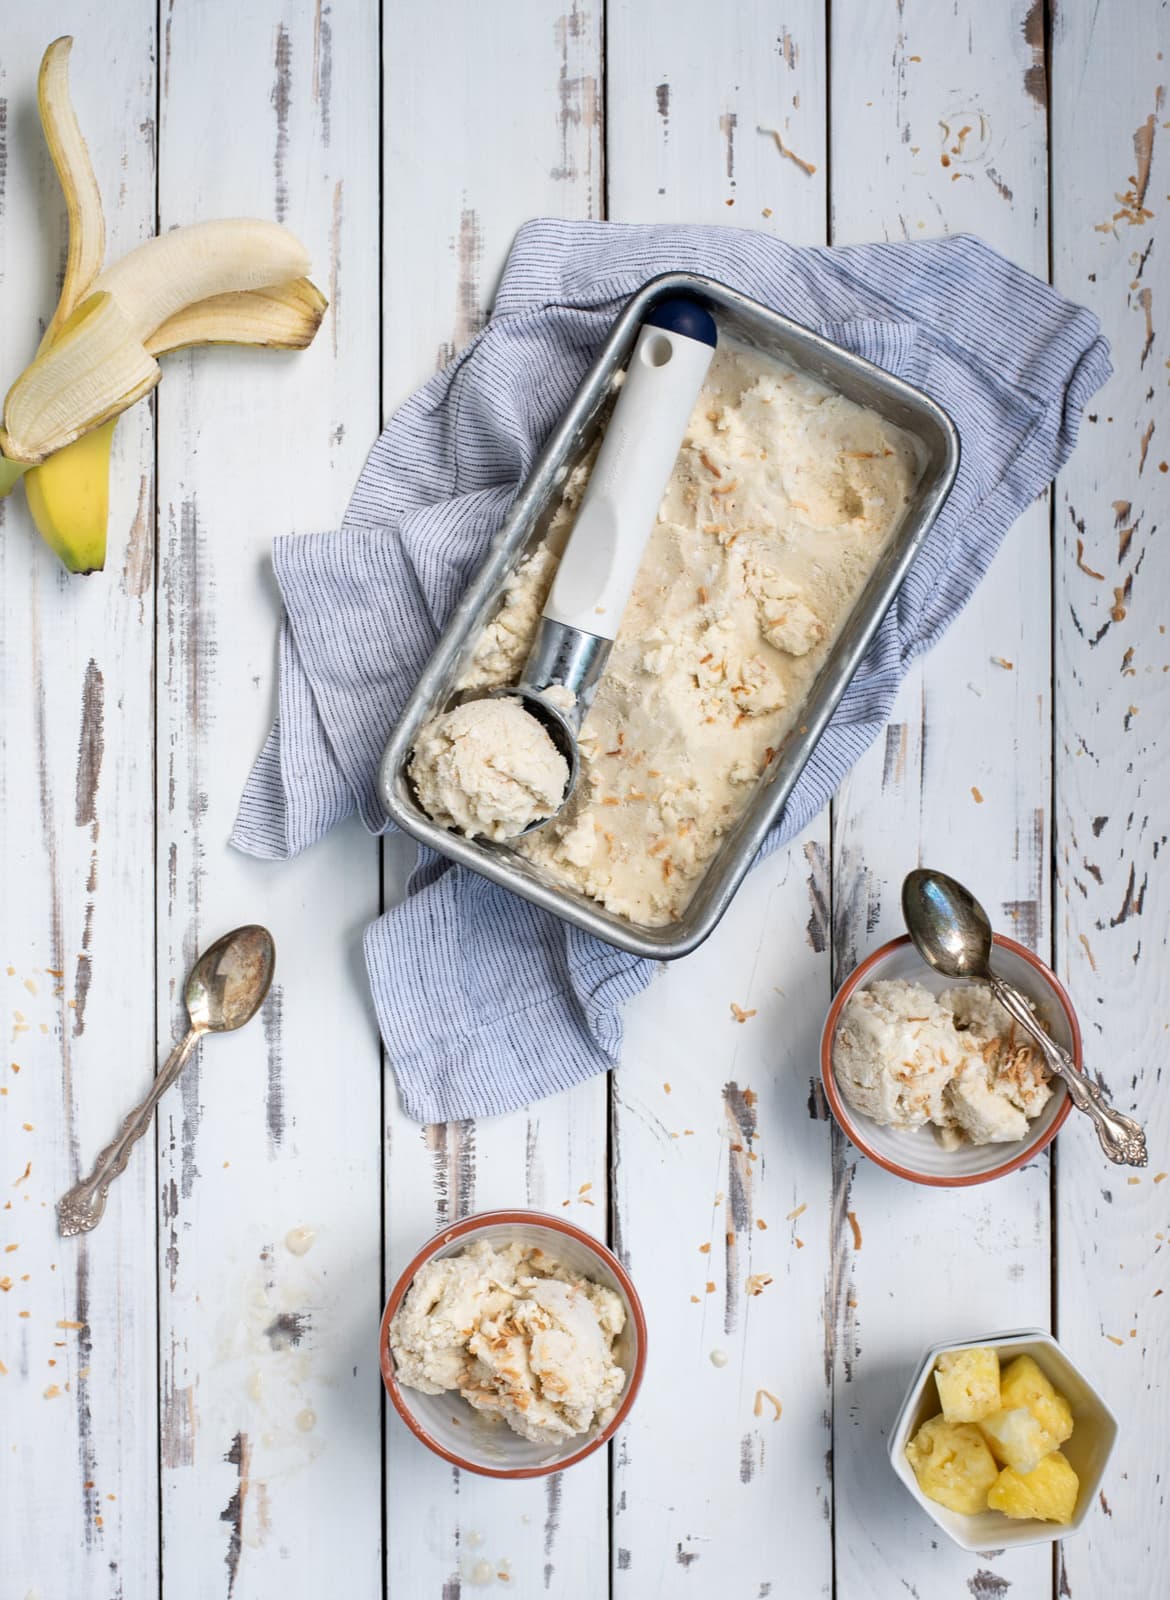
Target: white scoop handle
[{"x": 633, "y": 466}]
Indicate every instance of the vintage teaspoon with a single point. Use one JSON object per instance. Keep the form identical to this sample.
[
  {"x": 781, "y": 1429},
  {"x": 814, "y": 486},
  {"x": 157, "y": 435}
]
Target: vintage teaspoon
[
  {"x": 226, "y": 988},
  {"x": 952, "y": 934}
]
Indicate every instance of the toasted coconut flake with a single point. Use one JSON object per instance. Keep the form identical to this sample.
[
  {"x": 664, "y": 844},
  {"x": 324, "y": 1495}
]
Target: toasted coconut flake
[
  {"x": 763, "y": 1395},
  {"x": 1087, "y": 570}
]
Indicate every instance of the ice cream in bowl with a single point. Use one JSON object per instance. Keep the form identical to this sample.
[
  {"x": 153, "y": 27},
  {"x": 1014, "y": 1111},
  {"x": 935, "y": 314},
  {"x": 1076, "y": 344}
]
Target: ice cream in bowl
[
  {"x": 513, "y": 1344},
  {"x": 932, "y": 1079}
]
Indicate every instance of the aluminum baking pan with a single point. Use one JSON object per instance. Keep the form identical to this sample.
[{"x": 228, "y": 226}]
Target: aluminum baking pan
[{"x": 755, "y": 325}]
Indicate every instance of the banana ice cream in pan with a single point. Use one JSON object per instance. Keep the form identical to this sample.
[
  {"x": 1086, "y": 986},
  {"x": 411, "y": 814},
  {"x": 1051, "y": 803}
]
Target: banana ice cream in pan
[{"x": 783, "y": 498}]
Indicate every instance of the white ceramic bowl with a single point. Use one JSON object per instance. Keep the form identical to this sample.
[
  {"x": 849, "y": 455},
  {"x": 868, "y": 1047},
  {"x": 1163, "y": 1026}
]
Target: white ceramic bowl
[
  {"x": 466, "y": 1437},
  {"x": 1087, "y": 1450},
  {"x": 915, "y": 1153}
]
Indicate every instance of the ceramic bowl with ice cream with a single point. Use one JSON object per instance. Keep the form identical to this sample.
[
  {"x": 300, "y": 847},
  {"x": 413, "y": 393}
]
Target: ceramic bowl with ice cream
[
  {"x": 513, "y": 1344},
  {"x": 930, "y": 1078}
]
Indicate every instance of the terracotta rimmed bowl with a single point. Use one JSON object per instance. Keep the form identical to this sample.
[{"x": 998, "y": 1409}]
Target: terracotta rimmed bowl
[
  {"x": 446, "y": 1423},
  {"x": 1087, "y": 1450},
  {"x": 915, "y": 1154}
]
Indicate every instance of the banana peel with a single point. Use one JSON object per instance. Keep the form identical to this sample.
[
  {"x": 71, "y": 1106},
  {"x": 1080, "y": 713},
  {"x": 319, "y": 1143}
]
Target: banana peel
[
  {"x": 283, "y": 317},
  {"x": 178, "y": 269},
  {"x": 11, "y": 473},
  {"x": 234, "y": 281},
  {"x": 83, "y": 199},
  {"x": 94, "y": 369},
  {"x": 83, "y": 204}
]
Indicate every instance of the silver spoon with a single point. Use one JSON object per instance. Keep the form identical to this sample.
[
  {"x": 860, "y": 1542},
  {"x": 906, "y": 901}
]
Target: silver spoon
[
  {"x": 952, "y": 934},
  {"x": 226, "y": 988}
]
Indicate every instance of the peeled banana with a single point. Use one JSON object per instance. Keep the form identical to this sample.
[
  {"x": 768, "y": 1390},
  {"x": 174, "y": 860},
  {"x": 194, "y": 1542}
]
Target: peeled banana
[
  {"x": 236, "y": 281},
  {"x": 69, "y": 497}
]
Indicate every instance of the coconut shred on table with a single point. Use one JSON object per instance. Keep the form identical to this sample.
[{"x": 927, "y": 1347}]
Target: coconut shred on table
[{"x": 783, "y": 497}]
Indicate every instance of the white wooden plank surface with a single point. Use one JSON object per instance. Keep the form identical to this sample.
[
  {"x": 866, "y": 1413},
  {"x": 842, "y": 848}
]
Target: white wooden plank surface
[
  {"x": 694, "y": 109},
  {"x": 492, "y": 115},
  {"x": 1111, "y": 721},
  {"x": 503, "y": 124},
  {"x": 713, "y": 1144},
  {"x": 78, "y": 1488},
  {"x": 960, "y": 781},
  {"x": 269, "y": 1374}
]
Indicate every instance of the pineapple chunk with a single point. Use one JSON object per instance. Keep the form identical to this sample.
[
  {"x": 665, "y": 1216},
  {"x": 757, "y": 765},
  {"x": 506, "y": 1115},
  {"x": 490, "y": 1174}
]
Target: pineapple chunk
[
  {"x": 968, "y": 1384},
  {"x": 1016, "y": 1439},
  {"x": 1048, "y": 1492},
  {"x": 952, "y": 1464},
  {"x": 1023, "y": 1384}
]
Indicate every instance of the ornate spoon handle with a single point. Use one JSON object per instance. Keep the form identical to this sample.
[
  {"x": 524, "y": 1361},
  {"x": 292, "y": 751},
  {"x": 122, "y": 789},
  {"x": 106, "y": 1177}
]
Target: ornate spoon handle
[
  {"x": 1122, "y": 1139},
  {"x": 81, "y": 1208}
]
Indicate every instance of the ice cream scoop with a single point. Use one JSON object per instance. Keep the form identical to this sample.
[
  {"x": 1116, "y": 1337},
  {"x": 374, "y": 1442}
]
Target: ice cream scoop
[
  {"x": 952, "y": 933},
  {"x": 597, "y": 570}
]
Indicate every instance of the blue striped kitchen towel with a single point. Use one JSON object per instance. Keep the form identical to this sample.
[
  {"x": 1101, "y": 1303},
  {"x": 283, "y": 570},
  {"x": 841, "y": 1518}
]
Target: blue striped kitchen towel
[{"x": 484, "y": 1002}]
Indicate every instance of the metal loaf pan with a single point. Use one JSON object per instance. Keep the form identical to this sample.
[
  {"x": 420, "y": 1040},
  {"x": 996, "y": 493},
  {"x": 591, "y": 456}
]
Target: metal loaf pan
[{"x": 752, "y": 324}]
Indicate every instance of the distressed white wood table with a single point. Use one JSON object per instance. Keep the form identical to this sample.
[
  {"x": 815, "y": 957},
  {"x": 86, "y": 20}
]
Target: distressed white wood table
[{"x": 189, "y": 1406}]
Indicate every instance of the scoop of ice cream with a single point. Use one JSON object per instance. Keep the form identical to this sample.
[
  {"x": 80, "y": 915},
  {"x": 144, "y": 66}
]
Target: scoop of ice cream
[
  {"x": 1012, "y": 1064},
  {"x": 895, "y": 1052},
  {"x": 488, "y": 768},
  {"x": 984, "y": 1115},
  {"x": 448, "y": 1298},
  {"x": 546, "y": 1366}
]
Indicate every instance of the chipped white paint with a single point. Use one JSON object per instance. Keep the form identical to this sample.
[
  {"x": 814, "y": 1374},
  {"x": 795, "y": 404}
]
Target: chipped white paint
[
  {"x": 514, "y": 133},
  {"x": 493, "y": 115},
  {"x": 279, "y": 1127},
  {"x": 77, "y": 1326},
  {"x": 953, "y": 138},
  {"x": 696, "y": 105},
  {"x": 271, "y": 1229},
  {"x": 713, "y": 1141},
  {"x": 1112, "y": 721}
]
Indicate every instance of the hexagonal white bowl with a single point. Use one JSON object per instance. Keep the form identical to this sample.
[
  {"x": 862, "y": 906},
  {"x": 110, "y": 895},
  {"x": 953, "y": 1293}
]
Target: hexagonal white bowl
[{"x": 1088, "y": 1450}]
